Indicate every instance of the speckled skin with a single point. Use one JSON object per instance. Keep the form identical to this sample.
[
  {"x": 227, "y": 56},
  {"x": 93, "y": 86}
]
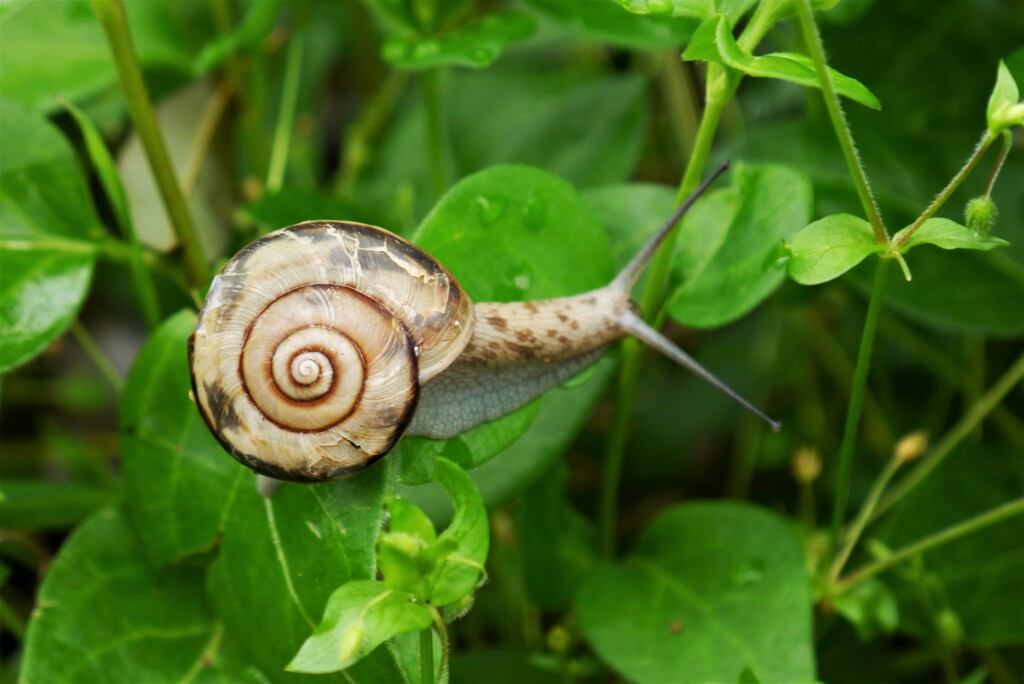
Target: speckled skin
[{"x": 518, "y": 351}]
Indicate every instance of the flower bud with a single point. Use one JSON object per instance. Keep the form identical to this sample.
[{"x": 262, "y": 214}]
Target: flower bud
[
  {"x": 806, "y": 465},
  {"x": 981, "y": 215},
  {"x": 911, "y": 446}
]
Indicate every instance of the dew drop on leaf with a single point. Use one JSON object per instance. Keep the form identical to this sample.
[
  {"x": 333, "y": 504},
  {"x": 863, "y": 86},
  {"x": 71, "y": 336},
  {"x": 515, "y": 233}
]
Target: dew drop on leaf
[
  {"x": 747, "y": 574},
  {"x": 491, "y": 208},
  {"x": 534, "y": 214},
  {"x": 427, "y": 48}
]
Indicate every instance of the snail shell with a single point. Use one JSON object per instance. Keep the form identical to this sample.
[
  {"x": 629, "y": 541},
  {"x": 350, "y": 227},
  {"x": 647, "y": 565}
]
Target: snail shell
[{"x": 309, "y": 351}]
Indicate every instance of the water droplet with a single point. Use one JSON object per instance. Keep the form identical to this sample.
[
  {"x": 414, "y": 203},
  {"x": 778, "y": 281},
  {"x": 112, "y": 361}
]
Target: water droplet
[
  {"x": 522, "y": 281},
  {"x": 659, "y": 6},
  {"x": 534, "y": 213},
  {"x": 491, "y": 208},
  {"x": 482, "y": 55},
  {"x": 747, "y": 574},
  {"x": 427, "y": 48}
]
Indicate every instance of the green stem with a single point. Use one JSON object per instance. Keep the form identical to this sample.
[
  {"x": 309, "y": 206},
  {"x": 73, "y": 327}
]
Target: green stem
[
  {"x": 940, "y": 199},
  {"x": 435, "y": 129},
  {"x": 860, "y": 376},
  {"x": 1003, "y": 151},
  {"x": 286, "y": 116},
  {"x": 632, "y": 350},
  {"x": 96, "y": 355},
  {"x": 357, "y": 149},
  {"x": 140, "y": 107},
  {"x": 442, "y": 633},
  {"x": 978, "y": 412},
  {"x": 835, "y": 112},
  {"x": 427, "y": 655},
  {"x": 979, "y": 522},
  {"x": 862, "y": 519}
]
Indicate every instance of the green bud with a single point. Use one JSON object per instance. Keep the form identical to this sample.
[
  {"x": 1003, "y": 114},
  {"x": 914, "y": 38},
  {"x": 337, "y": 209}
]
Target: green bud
[
  {"x": 950, "y": 626},
  {"x": 981, "y": 215}
]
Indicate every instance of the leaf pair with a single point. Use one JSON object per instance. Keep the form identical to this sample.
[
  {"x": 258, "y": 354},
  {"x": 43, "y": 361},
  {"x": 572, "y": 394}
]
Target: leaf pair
[{"x": 422, "y": 571}]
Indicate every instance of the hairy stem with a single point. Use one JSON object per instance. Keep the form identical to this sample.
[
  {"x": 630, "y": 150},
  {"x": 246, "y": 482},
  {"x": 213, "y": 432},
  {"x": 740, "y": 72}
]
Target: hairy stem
[
  {"x": 952, "y": 533},
  {"x": 112, "y": 17},
  {"x": 954, "y": 183},
  {"x": 835, "y": 113},
  {"x": 860, "y": 377}
]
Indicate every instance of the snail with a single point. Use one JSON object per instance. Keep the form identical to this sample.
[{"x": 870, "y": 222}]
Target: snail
[{"x": 320, "y": 345}]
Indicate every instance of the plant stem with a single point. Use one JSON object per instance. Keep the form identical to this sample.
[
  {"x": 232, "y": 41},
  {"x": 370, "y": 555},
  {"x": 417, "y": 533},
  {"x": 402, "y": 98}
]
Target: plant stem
[
  {"x": 427, "y": 655},
  {"x": 860, "y": 376},
  {"x": 1003, "y": 151},
  {"x": 862, "y": 519},
  {"x": 286, "y": 116},
  {"x": 979, "y": 522},
  {"x": 835, "y": 112},
  {"x": 96, "y": 355},
  {"x": 140, "y": 107},
  {"x": 632, "y": 350},
  {"x": 435, "y": 129},
  {"x": 966, "y": 425},
  {"x": 979, "y": 151},
  {"x": 356, "y": 151}
]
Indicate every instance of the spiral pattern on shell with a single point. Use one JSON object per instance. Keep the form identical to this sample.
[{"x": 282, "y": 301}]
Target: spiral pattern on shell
[{"x": 312, "y": 344}]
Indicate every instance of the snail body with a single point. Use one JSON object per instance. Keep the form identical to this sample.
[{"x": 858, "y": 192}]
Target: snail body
[{"x": 320, "y": 345}]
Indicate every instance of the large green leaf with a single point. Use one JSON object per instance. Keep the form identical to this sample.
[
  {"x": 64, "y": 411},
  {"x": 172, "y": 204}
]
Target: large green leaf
[
  {"x": 48, "y": 230},
  {"x": 603, "y": 21},
  {"x": 57, "y": 48},
  {"x": 712, "y": 592},
  {"x": 510, "y": 233},
  {"x": 282, "y": 556},
  {"x": 730, "y": 262},
  {"x": 105, "y": 615},
  {"x": 179, "y": 480}
]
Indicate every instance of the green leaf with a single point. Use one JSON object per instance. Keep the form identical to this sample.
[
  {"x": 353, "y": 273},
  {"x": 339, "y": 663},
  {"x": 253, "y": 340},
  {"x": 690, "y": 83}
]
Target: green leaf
[
  {"x": 48, "y": 230},
  {"x": 403, "y": 557},
  {"x": 359, "y": 617},
  {"x": 871, "y": 607},
  {"x": 460, "y": 570},
  {"x": 179, "y": 480},
  {"x": 711, "y": 590},
  {"x": 830, "y": 247},
  {"x": 281, "y": 557},
  {"x": 557, "y": 544},
  {"x": 509, "y": 233},
  {"x": 105, "y": 615},
  {"x": 730, "y": 259},
  {"x": 700, "y": 9},
  {"x": 604, "y": 22},
  {"x": 1004, "y": 106},
  {"x": 974, "y": 576},
  {"x": 37, "y": 505},
  {"x": 948, "y": 234},
  {"x": 714, "y": 42},
  {"x": 57, "y": 48},
  {"x": 103, "y": 163},
  {"x": 475, "y": 44}
]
